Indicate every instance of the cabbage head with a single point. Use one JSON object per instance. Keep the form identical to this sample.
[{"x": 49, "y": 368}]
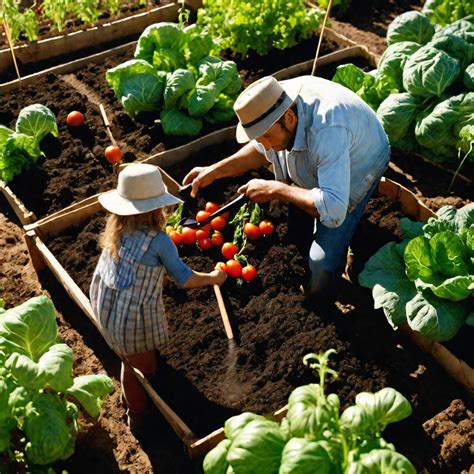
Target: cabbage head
[
  {"x": 161, "y": 44},
  {"x": 179, "y": 123},
  {"x": 439, "y": 130},
  {"x": 410, "y": 26},
  {"x": 429, "y": 72},
  {"x": 389, "y": 74},
  {"x": 463, "y": 28},
  {"x": 138, "y": 86},
  {"x": 398, "y": 114},
  {"x": 457, "y": 47}
]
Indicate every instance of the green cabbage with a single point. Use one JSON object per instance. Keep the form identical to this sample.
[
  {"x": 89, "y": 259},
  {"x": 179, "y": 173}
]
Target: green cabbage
[
  {"x": 179, "y": 123},
  {"x": 390, "y": 68},
  {"x": 410, "y": 26},
  {"x": 427, "y": 281},
  {"x": 397, "y": 114},
  {"x": 429, "y": 72},
  {"x": 137, "y": 85},
  {"x": 36, "y": 121},
  {"x": 177, "y": 83},
  {"x": 439, "y": 130},
  {"x": 457, "y": 47}
]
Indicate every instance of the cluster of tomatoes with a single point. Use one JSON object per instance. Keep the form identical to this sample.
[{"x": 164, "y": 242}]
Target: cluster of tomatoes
[
  {"x": 113, "y": 154},
  {"x": 210, "y": 235}
]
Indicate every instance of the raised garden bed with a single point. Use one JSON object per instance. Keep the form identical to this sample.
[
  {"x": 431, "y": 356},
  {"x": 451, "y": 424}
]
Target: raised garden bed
[
  {"x": 49, "y": 49},
  {"x": 75, "y": 168},
  {"x": 200, "y": 373}
]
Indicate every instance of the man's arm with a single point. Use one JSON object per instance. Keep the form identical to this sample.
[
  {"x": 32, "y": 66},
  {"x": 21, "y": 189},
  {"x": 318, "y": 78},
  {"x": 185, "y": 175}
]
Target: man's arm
[
  {"x": 261, "y": 190},
  {"x": 246, "y": 159}
]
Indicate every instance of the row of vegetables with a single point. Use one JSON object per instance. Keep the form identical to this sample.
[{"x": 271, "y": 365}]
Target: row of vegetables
[{"x": 423, "y": 88}]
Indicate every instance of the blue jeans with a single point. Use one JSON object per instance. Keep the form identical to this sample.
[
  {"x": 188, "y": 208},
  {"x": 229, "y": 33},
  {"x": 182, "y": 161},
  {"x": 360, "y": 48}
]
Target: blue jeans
[{"x": 329, "y": 247}]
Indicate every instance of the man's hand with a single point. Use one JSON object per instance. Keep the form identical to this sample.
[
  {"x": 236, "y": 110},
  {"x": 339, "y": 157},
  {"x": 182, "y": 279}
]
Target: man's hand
[
  {"x": 260, "y": 190},
  {"x": 201, "y": 176}
]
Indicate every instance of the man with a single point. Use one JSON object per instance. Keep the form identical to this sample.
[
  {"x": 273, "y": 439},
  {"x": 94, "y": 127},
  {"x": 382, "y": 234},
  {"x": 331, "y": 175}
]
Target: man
[{"x": 328, "y": 151}]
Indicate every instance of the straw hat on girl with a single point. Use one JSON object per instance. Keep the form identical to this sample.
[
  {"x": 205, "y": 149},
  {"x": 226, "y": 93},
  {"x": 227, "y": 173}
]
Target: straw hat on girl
[
  {"x": 261, "y": 105},
  {"x": 140, "y": 189}
]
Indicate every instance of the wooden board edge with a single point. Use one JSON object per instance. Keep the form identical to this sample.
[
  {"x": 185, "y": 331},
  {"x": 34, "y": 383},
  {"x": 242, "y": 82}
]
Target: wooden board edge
[{"x": 24, "y": 215}]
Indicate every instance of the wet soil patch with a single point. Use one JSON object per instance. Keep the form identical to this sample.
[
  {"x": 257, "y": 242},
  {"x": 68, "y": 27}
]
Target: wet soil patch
[{"x": 275, "y": 327}]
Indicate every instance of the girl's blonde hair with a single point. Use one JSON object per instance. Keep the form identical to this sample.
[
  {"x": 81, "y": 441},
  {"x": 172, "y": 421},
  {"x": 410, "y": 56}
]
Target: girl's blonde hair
[{"x": 118, "y": 225}]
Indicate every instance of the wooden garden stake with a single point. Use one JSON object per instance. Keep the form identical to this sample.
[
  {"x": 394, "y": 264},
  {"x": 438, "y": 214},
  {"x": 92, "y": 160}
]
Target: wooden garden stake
[
  {"x": 224, "y": 315},
  {"x": 326, "y": 16},
  {"x": 10, "y": 44},
  {"x": 109, "y": 133}
]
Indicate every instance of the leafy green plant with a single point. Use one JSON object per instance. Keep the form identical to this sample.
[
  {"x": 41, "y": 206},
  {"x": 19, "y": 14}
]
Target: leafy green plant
[
  {"x": 427, "y": 281},
  {"x": 38, "y": 417},
  {"x": 173, "y": 73},
  {"x": 20, "y": 149},
  {"x": 19, "y": 21},
  {"x": 314, "y": 436},
  {"x": 444, "y": 12},
  {"x": 243, "y": 25},
  {"x": 421, "y": 90}
]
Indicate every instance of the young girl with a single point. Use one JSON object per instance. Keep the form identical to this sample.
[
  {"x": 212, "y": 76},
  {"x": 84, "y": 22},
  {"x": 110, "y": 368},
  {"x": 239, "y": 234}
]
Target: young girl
[{"x": 126, "y": 289}]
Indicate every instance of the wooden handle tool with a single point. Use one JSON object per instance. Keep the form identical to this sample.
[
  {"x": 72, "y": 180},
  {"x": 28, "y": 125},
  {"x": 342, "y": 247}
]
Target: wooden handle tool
[{"x": 224, "y": 315}]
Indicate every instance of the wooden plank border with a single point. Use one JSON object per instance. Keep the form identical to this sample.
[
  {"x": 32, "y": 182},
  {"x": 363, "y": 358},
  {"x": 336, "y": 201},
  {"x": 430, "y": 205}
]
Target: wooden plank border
[{"x": 82, "y": 39}]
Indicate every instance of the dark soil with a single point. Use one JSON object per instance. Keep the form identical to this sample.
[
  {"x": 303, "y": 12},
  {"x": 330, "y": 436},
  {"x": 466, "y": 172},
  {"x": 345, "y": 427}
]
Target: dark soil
[
  {"x": 200, "y": 372},
  {"x": 74, "y": 166}
]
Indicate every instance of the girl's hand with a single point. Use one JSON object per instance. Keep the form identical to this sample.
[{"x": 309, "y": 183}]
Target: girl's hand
[{"x": 219, "y": 276}]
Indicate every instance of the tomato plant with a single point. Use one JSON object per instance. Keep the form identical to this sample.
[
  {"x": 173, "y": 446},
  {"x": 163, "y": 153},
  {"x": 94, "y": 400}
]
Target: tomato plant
[
  {"x": 75, "y": 119},
  {"x": 113, "y": 154},
  {"x": 211, "y": 207},
  {"x": 188, "y": 235},
  {"x": 234, "y": 268},
  {"x": 217, "y": 239},
  {"x": 252, "y": 231},
  {"x": 204, "y": 244},
  {"x": 249, "y": 272},
  {"x": 218, "y": 223},
  {"x": 229, "y": 249},
  {"x": 266, "y": 227},
  {"x": 176, "y": 237}
]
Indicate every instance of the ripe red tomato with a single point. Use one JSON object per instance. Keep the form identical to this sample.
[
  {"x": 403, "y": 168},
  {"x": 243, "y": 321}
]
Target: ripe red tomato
[
  {"x": 249, "y": 273},
  {"x": 217, "y": 239},
  {"x": 204, "y": 244},
  {"x": 222, "y": 267},
  {"x": 211, "y": 207},
  {"x": 202, "y": 216},
  {"x": 75, "y": 119},
  {"x": 234, "y": 268},
  {"x": 252, "y": 231},
  {"x": 266, "y": 227},
  {"x": 229, "y": 249},
  {"x": 226, "y": 215},
  {"x": 202, "y": 233},
  {"x": 113, "y": 154},
  {"x": 175, "y": 237},
  {"x": 188, "y": 236},
  {"x": 218, "y": 223}
]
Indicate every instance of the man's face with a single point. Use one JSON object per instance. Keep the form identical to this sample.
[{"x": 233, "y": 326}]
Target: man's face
[{"x": 278, "y": 137}]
